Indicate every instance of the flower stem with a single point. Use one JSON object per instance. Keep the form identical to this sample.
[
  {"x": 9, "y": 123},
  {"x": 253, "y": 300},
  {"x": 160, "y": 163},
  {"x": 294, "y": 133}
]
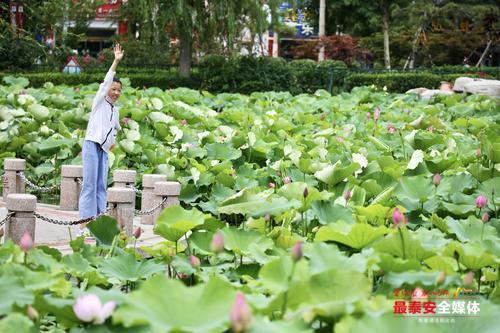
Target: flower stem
[
  {"x": 402, "y": 143},
  {"x": 479, "y": 282},
  {"x": 402, "y": 242},
  {"x": 482, "y": 230},
  {"x": 285, "y": 301}
]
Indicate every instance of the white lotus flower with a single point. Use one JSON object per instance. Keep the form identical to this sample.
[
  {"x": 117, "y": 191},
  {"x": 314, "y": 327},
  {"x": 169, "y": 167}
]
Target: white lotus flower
[
  {"x": 416, "y": 158},
  {"x": 88, "y": 308}
]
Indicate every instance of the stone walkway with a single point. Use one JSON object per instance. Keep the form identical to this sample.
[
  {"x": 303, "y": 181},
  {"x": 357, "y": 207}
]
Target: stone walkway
[{"x": 58, "y": 237}]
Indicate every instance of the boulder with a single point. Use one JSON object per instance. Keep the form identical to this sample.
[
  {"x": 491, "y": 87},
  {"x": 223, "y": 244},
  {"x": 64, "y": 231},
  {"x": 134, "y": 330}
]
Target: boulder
[
  {"x": 428, "y": 94},
  {"x": 460, "y": 82},
  {"x": 489, "y": 88},
  {"x": 418, "y": 91}
]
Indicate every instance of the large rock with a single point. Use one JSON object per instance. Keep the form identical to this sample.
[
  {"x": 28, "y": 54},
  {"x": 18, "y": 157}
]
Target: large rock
[
  {"x": 418, "y": 91},
  {"x": 489, "y": 88},
  {"x": 460, "y": 82},
  {"x": 428, "y": 94}
]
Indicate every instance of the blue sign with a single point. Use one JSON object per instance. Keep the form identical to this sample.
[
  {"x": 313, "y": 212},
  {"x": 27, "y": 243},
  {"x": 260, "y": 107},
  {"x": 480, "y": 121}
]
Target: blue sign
[{"x": 298, "y": 19}]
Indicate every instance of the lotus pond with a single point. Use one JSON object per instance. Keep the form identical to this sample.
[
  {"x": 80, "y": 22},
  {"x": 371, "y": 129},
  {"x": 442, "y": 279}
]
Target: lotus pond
[{"x": 365, "y": 211}]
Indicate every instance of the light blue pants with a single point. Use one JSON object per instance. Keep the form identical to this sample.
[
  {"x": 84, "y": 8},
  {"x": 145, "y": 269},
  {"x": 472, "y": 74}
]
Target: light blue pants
[{"x": 95, "y": 176}]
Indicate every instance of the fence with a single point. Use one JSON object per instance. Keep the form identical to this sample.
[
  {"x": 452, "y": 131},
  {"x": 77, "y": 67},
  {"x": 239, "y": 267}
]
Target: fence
[{"x": 157, "y": 193}]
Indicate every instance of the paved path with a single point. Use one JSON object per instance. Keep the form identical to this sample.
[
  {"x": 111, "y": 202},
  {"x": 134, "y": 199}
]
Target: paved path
[{"x": 57, "y": 236}]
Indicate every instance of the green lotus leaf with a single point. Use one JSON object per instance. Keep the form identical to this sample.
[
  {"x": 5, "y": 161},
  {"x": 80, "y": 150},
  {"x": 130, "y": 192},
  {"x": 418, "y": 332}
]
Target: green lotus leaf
[
  {"x": 474, "y": 256},
  {"x": 323, "y": 257},
  {"x": 470, "y": 230},
  {"x": 333, "y": 174},
  {"x": 205, "y": 307},
  {"x": 239, "y": 241},
  {"x": 389, "y": 263},
  {"x": 328, "y": 212},
  {"x": 175, "y": 221},
  {"x": 104, "y": 229},
  {"x": 357, "y": 235},
  {"x": 393, "y": 244},
  {"x": 16, "y": 322},
  {"x": 124, "y": 267},
  {"x": 13, "y": 293}
]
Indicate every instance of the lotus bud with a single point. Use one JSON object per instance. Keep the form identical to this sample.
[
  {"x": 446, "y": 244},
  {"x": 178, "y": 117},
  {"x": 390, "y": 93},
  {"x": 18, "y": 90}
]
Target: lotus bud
[
  {"x": 306, "y": 192},
  {"x": 194, "y": 261},
  {"x": 390, "y": 129},
  {"x": 267, "y": 218},
  {"x": 334, "y": 123},
  {"x": 297, "y": 252},
  {"x": 340, "y": 139},
  {"x": 431, "y": 129},
  {"x": 271, "y": 185},
  {"x": 347, "y": 195},
  {"x": 485, "y": 217},
  {"x": 184, "y": 122},
  {"x": 88, "y": 308},
  {"x": 32, "y": 313},
  {"x": 287, "y": 180},
  {"x": 481, "y": 201},
  {"x": 436, "y": 179},
  {"x": 441, "y": 278},
  {"x": 456, "y": 255},
  {"x": 26, "y": 242},
  {"x": 322, "y": 116},
  {"x": 368, "y": 115},
  {"x": 241, "y": 314},
  {"x": 478, "y": 152},
  {"x": 137, "y": 232},
  {"x": 398, "y": 218},
  {"x": 217, "y": 245},
  {"x": 469, "y": 278},
  {"x": 376, "y": 114}
]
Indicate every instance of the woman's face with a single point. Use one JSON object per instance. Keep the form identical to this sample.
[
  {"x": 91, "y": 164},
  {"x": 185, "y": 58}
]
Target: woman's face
[{"x": 115, "y": 91}]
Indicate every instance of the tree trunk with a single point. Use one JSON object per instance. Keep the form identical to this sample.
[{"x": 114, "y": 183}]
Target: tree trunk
[
  {"x": 321, "y": 32},
  {"x": 185, "y": 55},
  {"x": 276, "y": 45},
  {"x": 385, "y": 27}
]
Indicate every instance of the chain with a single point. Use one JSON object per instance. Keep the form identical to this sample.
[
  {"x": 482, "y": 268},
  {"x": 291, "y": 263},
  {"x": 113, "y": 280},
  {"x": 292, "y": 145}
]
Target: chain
[
  {"x": 6, "y": 218},
  {"x": 134, "y": 188},
  {"x": 65, "y": 222},
  {"x": 36, "y": 187},
  {"x": 151, "y": 210}
]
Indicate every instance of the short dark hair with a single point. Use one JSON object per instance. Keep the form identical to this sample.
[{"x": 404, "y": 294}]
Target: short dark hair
[{"x": 116, "y": 79}]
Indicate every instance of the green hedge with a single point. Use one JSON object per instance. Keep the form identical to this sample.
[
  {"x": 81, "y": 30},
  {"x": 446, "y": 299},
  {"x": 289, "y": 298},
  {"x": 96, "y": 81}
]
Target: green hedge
[
  {"x": 250, "y": 74},
  {"x": 164, "y": 80}
]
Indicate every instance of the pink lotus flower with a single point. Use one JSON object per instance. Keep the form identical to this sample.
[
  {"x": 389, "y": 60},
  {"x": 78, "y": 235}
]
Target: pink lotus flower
[
  {"x": 481, "y": 201},
  {"x": 431, "y": 129},
  {"x": 398, "y": 218},
  {"x": 184, "y": 122},
  {"x": 32, "y": 313},
  {"x": 241, "y": 314},
  {"x": 297, "y": 252},
  {"x": 194, "y": 261},
  {"x": 376, "y": 114},
  {"x": 390, "y": 129},
  {"x": 436, "y": 179},
  {"x": 88, "y": 308},
  {"x": 125, "y": 121},
  {"x": 287, "y": 180},
  {"x": 26, "y": 242},
  {"x": 478, "y": 152},
  {"x": 485, "y": 217},
  {"x": 347, "y": 195},
  {"x": 217, "y": 242},
  {"x": 340, "y": 139},
  {"x": 271, "y": 185},
  {"x": 368, "y": 115},
  {"x": 137, "y": 232}
]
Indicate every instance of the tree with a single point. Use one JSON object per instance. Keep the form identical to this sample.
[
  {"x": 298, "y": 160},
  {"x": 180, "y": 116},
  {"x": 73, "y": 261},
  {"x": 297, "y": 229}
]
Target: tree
[{"x": 200, "y": 24}]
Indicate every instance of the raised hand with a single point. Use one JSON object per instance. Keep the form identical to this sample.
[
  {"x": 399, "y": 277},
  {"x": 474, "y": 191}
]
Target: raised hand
[{"x": 117, "y": 50}]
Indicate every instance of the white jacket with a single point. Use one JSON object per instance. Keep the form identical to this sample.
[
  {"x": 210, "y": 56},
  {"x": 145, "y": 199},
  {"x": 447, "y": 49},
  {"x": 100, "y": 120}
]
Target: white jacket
[{"x": 104, "y": 121}]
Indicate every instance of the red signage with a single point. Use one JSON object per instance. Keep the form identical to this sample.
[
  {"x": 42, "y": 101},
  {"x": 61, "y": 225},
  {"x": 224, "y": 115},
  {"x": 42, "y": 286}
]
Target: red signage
[{"x": 111, "y": 8}]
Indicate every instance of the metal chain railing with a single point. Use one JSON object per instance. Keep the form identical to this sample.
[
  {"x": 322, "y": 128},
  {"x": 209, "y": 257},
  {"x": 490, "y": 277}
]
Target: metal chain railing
[
  {"x": 136, "y": 190},
  {"x": 36, "y": 187},
  {"x": 6, "y": 218},
  {"x": 152, "y": 209},
  {"x": 75, "y": 222}
]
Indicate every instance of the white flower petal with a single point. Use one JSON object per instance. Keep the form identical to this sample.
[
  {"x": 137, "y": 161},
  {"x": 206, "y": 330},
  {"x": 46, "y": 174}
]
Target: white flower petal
[
  {"x": 87, "y": 307},
  {"x": 416, "y": 158}
]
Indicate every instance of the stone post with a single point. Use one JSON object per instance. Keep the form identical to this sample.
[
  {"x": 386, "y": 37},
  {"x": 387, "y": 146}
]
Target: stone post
[
  {"x": 171, "y": 191},
  {"x": 70, "y": 188},
  {"x": 148, "y": 184},
  {"x": 124, "y": 199},
  {"x": 23, "y": 220},
  {"x": 124, "y": 178},
  {"x": 12, "y": 182}
]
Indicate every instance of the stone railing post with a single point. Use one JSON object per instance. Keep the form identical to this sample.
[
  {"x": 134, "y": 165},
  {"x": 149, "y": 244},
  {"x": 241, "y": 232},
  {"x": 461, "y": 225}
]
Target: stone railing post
[
  {"x": 124, "y": 199},
  {"x": 148, "y": 184},
  {"x": 70, "y": 188},
  {"x": 23, "y": 206},
  {"x": 169, "y": 190},
  {"x": 12, "y": 182},
  {"x": 124, "y": 178}
]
